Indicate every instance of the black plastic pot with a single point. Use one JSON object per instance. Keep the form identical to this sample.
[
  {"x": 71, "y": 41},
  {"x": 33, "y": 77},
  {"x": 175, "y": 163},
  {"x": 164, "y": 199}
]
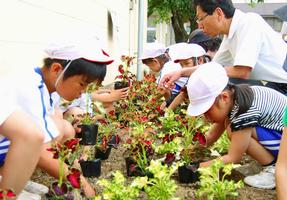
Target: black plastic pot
[
  {"x": 114, "y": 141},
  {"x": 88, "y": 134},
  {"x": 120, "y": 85},
  {"x": 103, "y": 155},
  {"x": 187, "y": 175},
  {"x": 91, "y": 168}
]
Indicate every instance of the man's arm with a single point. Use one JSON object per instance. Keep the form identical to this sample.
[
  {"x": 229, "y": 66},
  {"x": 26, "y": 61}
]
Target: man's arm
[{"x": 242, "y": 72}]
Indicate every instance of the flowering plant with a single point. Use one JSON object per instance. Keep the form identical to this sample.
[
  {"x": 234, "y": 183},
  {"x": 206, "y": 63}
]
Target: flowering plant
[
  {"x": 6, "y": 194},
  {"x": 66, "y": 154},
  {"x": 126, "y": 77},
  {"x": 216, "y": 186},
  {"x": 118, "y": 189},
  {"x": 161, "y": 186}
]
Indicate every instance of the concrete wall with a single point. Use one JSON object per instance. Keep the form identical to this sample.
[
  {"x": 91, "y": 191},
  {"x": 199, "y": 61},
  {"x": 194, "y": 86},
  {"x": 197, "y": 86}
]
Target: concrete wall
[{"x": 28, "y": 25}]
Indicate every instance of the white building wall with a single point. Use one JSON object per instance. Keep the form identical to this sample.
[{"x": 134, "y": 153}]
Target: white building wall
[{"x": 28, "y": 25}]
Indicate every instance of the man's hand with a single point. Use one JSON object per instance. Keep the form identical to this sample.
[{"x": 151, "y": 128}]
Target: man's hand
[{"x": 168, "y": 80}]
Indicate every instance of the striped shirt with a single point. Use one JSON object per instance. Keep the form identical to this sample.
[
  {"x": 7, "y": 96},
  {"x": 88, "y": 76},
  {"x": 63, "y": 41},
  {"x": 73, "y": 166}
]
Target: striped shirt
[{"x": 267, "y": 111}]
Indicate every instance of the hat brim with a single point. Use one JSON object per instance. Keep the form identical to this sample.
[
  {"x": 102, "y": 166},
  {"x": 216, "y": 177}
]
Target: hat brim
[
  {"x": 102, "y": 61},
  {"x": 200, "y": 107}
]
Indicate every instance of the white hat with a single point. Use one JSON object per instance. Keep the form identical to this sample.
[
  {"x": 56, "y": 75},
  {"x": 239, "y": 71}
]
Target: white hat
[
  {"x": 88, "y": 49},
  {"x": 182, "y": 51},
  {"x": 204, "y": 85},
  {"x": 153, "y": 50}
]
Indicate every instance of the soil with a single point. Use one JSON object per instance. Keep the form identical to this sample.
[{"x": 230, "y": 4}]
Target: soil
[{"x": 116, "y": 161}]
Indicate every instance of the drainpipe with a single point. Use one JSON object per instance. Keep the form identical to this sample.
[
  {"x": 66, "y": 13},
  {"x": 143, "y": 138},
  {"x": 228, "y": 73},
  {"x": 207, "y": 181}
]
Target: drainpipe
[{"x": 140, "y": 37}]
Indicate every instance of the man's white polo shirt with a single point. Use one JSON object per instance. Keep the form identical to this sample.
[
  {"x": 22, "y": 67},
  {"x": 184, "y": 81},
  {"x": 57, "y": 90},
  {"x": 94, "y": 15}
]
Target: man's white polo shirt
[{"x": 252, "y": 42}]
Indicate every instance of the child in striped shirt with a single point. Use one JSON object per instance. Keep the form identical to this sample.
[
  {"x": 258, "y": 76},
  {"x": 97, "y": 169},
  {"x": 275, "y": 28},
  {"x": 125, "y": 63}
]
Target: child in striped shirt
[{"x": 252, "y": 116}]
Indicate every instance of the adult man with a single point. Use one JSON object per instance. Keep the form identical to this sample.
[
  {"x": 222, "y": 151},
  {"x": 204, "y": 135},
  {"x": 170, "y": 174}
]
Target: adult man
[{"x": 250, "y": 49}]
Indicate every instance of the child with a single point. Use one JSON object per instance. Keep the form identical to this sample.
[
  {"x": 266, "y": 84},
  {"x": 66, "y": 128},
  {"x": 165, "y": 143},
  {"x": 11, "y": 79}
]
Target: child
[
  {"x": 187, "y": 55},
  {"x": 27, "y": 141},
  {"x": 156, "y": 57},
  {"x": 68, "y": 69},
  {"x": 252, "y": 116},
  {"x": 281, "y": 165}
]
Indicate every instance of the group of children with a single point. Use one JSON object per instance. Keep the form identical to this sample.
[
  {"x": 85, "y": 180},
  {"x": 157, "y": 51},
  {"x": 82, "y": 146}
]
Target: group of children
[
  {"x": 252, "y": 114},
  {"x": 30, "y": 120}
]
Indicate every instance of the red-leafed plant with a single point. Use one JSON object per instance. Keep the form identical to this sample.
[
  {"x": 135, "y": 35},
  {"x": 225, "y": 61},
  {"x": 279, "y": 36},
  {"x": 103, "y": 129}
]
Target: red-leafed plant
[
  {"x": 6, "y": 194},
  {"x": 126, "y": 77},
  {"x": 66, "y": 154}
]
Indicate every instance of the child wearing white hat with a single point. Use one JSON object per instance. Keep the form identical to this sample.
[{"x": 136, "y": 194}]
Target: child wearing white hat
[
  {"x": 70, "y": 66},
  {"x": 26, "y": 137},
  {"x": 187, "y": 55},
  {"x": 156, "y": 57},
  {"x": 252, "y": 116}
]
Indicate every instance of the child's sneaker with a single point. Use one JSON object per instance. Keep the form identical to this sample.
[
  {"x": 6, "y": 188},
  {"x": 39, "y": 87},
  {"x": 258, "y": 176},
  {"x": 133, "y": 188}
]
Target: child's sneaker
[
  {"x": 263, "y": 180},
  {"x": 36, "y": 188},
  {"x": 24, "y": 195}
]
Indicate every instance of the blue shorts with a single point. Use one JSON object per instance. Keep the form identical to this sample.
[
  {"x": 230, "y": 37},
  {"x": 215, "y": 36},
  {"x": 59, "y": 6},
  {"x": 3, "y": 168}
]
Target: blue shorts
[
  {"x": 4, "y": 147},
  {"x": 269, "y": 139}
]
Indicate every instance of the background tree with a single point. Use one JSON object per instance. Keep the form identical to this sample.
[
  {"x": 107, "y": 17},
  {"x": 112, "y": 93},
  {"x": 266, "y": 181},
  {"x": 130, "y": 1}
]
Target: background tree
[{"x": 177, "y": 12}]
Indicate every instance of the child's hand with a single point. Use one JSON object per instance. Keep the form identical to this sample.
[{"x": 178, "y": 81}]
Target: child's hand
[{"x": 119, "y": 94}]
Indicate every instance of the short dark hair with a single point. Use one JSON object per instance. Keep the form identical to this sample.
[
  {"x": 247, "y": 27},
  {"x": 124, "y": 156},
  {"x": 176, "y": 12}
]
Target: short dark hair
[
  {"x": 211, "y": 45},
  {"x": 209, "y": 6},
  {"x": 242, "y": 95},
  {"x": 90, "y": 70}
]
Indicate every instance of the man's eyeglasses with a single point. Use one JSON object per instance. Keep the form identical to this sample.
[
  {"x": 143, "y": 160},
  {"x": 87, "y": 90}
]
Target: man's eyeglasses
[{"x": 199, "y": 20}]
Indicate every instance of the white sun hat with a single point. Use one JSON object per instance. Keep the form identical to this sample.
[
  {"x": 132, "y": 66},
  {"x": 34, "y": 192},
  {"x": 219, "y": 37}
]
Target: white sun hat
[
  {"x": 70, "y": 49},
  {"x": 204, "y": 85},
  {"x": 153, "y": 50},
  {"x": 183, "y": 51}
]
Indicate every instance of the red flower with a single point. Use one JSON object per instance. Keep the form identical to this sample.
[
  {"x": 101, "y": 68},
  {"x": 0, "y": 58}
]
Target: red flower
[
  {"x": 72, "y": 143},
  {"x": 169, "y": 158},
  {"x": 74, "y": 178},
  {"x": 148, "y": 143},
  {"x": 144, "y": 119},
  {"x": 10, "y": 193},
  {"x": 6, "y": 193},
  {"x": 198, "y": 136},
  {"x": 121, "y": 69},
  {"x": 103, "y": 121}
]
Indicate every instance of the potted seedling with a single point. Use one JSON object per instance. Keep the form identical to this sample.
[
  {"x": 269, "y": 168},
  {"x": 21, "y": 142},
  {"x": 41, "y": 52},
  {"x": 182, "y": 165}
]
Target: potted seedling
[
  {"x": 119, "y": 189},
  {"x": 91, "y": 167},
  {"x": 192, "y": 135},
  {"x": 125, "y": 78},
  {"x": 139, "y": 149},
  {"x": 108, "y": 137},
  {"x": 161, "y": 186},
  {"x": 88, "y": 126},
  {"x": 66, "y": 153},
  {"x": 213, "y": 182}
]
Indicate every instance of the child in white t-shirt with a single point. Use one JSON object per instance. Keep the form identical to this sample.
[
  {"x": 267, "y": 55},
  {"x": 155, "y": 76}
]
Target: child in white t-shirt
[
  {"x": 68, "y": 69},
  {"x": 26, "y": 138}
]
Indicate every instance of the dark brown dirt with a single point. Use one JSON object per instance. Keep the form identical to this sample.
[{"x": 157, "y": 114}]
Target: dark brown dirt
[{"x": 185, "y": 191}]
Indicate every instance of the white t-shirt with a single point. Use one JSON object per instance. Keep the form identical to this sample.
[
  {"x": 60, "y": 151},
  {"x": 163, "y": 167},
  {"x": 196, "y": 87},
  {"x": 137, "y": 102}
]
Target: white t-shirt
[
  {"x": 8, "y": 104},
  {"x": 32, "y": 96},
  {"x": 172, "y": 67},
  {"x": 252, "y": 42}
]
